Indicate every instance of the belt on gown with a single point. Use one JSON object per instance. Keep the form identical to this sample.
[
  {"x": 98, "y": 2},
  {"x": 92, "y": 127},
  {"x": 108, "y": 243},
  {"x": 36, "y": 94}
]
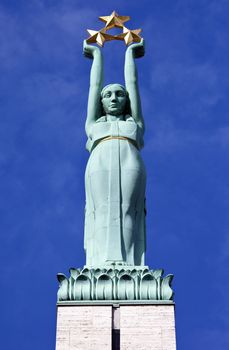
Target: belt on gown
[{"x": 118, "y": 138}]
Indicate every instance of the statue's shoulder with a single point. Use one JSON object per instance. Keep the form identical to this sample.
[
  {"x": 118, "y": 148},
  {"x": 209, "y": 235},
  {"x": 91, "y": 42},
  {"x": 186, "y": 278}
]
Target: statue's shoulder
[
  {"x": 128, "y": 118},
  {"x": 101, "y": 119}
]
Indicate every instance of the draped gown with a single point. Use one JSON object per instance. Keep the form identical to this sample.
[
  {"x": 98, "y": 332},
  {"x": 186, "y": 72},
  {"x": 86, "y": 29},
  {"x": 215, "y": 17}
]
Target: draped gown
[{"x": 115, "y": 194}]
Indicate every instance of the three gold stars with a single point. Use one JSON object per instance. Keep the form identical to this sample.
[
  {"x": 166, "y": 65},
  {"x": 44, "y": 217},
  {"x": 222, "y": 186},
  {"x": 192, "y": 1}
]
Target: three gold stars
[{"x": 114, "y": 21}]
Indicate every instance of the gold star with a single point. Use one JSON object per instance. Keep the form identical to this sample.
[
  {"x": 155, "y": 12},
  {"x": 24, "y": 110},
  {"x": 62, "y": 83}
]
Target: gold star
[
  {"x": 114, "y": 20},
  {"x": 99, "y": 36},
  {"x": 129, "y": 36}
]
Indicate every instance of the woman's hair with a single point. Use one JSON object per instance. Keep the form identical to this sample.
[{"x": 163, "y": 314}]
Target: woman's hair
[{"x": 127, "y": 107}]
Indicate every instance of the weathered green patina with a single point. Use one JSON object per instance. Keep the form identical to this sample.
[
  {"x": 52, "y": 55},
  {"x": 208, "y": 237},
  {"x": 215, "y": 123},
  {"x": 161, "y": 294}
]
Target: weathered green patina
[
  {"x": 114, "y": 237},
  {"x": 115, "y": 284},
  {"x": 115, "y": 173}
]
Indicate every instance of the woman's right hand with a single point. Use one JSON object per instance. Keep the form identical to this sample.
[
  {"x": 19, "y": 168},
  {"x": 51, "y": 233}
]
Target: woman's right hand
[{"x": 90, "y": 51}]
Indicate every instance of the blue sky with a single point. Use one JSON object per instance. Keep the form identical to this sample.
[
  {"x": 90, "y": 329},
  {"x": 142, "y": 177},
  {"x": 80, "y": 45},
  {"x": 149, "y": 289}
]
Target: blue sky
[{"x": 184, "y": 83}]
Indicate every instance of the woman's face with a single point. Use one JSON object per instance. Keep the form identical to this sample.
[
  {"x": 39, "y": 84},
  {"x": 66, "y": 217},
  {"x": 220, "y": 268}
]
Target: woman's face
[{"x": 114, "y": 100}]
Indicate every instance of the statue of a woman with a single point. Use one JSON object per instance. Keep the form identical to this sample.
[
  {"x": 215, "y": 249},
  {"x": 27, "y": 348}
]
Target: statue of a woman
[{"x": 115, "y": 174}]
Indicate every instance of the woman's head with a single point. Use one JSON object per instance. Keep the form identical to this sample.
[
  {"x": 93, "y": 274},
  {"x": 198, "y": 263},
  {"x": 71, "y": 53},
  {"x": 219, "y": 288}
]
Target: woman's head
[{"x": 115, "y": 100}]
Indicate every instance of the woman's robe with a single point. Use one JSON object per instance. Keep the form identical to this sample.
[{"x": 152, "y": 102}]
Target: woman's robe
[{"x": 115, "y": 195}]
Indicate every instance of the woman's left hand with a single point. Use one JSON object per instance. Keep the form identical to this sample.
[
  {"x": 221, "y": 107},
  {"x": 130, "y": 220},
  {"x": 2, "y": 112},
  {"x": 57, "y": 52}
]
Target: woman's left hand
[{"x": 137, "y": 49}]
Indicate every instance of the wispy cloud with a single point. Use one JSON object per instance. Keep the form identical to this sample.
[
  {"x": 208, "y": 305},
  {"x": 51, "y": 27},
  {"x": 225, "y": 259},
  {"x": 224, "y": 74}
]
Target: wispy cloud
[
  {"x": 41, "y": 81},
  {"x": 165, "y": 136}
]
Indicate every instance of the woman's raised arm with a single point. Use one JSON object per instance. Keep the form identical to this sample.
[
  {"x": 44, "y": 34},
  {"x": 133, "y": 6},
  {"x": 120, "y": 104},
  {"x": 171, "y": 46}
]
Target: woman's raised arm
[
  {"x": 131, "y": 81},
  {"x": 96, "y": 81}
]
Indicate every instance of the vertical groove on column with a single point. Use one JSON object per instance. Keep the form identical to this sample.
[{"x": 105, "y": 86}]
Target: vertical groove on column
[{"x": 115, "y": 328}]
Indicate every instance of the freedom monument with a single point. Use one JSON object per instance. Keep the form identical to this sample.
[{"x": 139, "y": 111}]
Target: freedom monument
[{"x": 115, "y": 301}]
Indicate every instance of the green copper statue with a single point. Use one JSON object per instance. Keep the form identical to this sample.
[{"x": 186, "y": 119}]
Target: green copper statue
[
  {"x": 115, "y": 174},
  {"x": 115, "y": 180}
]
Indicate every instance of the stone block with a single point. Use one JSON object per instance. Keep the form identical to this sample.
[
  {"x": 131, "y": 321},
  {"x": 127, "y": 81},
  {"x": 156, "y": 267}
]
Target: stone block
[
  {"x": 84, "y": 327},
  {"x": 146, "y": 327},
  {"x": 131, "y": 326}
]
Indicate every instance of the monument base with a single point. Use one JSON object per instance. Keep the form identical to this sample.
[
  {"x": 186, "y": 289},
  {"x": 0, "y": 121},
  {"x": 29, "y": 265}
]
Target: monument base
[
  {"x": 111, "y": 283},
  {"x": 114, "y": 325}
]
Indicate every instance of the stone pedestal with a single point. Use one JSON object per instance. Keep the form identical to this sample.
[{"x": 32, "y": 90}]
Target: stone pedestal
[{"x": 113, "y": 326}]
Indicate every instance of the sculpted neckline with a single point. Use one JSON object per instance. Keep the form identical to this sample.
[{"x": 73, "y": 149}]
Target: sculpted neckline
[{"x": 128, "y": 118}]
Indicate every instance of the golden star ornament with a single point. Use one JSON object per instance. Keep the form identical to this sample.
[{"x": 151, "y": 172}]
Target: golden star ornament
[
  {"x": 98, "y": 36},
  {"x": 129, "y": 36},
  {"x": 114, "y": 20}
]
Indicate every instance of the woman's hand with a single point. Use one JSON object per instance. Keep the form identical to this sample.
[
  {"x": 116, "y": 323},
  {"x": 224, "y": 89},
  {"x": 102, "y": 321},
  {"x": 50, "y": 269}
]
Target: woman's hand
[
  {"x": 138, "y": 49},
  {"x": 90, "y": 51}
]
